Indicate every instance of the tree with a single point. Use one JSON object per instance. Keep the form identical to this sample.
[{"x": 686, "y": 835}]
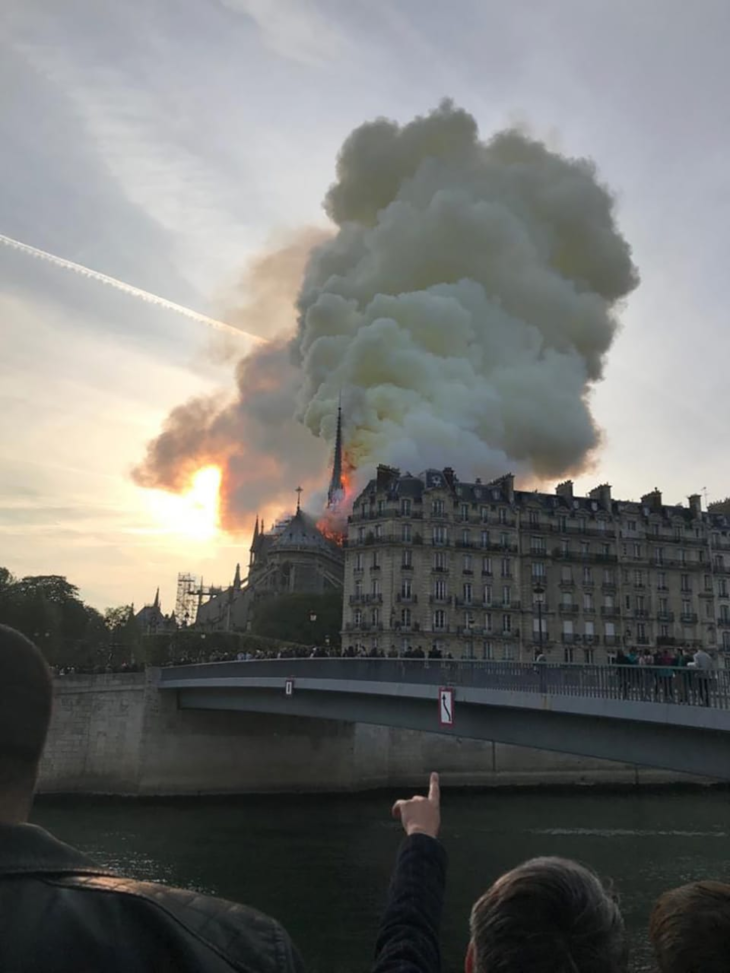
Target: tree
[{"x": 306, "y": 619}]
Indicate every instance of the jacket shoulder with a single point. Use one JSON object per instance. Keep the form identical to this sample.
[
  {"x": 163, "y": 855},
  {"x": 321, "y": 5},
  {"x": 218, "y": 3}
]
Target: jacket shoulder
[{"x": 244, "y": 937}]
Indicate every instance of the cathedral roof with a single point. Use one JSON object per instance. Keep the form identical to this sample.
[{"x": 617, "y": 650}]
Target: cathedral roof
[{"x": 301, "y": 531}]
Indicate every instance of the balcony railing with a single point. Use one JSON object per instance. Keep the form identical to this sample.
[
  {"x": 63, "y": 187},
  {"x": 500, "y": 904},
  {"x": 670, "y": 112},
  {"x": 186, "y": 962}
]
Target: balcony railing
[{"x": 564, "y": 609}]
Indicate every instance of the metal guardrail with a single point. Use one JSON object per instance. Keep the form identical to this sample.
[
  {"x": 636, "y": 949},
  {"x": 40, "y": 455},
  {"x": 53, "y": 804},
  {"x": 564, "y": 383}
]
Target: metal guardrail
[{"x": 648, "y": 684}]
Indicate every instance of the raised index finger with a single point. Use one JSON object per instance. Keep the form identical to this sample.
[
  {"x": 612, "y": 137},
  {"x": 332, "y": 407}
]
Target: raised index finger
[{"x": 434, "y": 789}]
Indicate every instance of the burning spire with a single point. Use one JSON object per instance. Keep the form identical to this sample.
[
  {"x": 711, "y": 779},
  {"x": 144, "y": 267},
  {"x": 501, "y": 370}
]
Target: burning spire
[{"x": 337, "y": 487}]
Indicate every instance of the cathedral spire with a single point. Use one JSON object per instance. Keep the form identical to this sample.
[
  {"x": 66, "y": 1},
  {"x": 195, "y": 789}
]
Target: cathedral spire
[
  {"x": 337, "y": 487},
  {"x": 156, "y": 602},
  {"x": 237, "y": 577}
]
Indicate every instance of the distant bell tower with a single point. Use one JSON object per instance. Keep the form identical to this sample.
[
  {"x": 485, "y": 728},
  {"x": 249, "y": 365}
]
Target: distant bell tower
[{"x": 337, "y": 487}]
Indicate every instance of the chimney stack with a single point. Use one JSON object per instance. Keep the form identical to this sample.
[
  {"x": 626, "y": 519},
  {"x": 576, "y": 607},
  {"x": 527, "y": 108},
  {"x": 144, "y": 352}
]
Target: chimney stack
[
  {"x": 695, "y": 506},
  {"x": 653, "y": 500},
  {"x": 602, "y": 494},
  {"x": 565, "y": 489}
]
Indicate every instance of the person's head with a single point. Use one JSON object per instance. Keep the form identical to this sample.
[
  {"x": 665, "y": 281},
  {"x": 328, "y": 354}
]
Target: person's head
[
  {"x": 689, "y": 928},
  {"x": 549, "y": 915},
  {"x": 25, "y": 711}
]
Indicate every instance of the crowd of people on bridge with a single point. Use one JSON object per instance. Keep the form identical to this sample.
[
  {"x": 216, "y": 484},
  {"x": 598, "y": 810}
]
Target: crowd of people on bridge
[{"x": 61, "y": 912}]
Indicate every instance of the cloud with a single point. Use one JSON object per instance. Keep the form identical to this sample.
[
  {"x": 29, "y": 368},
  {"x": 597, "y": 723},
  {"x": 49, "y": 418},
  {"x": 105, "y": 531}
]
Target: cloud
[{"x": 294, "y": 29}]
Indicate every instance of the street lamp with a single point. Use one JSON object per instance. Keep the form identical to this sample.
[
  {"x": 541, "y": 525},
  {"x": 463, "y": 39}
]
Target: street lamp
[{"x": 539, "y": 593}]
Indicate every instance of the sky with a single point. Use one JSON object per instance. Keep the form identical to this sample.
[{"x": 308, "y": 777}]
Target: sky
[{"x": 169, "y": 144}]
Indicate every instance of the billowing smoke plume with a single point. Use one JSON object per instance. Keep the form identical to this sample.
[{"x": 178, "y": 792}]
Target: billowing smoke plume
[{"x": 463, "y": 308}]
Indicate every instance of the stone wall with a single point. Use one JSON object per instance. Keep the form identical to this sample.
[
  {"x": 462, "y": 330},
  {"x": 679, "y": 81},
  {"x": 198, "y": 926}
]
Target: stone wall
[{"x": 116, "y": 734}]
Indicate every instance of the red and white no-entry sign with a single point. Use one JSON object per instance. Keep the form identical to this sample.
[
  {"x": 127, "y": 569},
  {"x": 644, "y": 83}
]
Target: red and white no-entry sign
[
  {"x": 289, "y": 687},
  {"x": 446, "y": 706}
]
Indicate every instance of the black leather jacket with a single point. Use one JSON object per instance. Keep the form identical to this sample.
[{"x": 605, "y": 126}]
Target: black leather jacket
[{"x": 61, "y": 913}]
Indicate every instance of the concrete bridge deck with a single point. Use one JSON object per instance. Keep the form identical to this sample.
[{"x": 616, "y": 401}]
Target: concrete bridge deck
[{"x": 639, "y": 715}]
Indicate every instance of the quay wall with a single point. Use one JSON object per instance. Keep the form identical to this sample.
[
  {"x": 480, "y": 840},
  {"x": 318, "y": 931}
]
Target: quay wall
[{"x": 117, "y": 734}]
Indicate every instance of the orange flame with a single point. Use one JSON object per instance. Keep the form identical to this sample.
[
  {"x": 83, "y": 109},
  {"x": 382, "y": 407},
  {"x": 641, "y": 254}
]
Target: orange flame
[{"x": 333, "y": 523}]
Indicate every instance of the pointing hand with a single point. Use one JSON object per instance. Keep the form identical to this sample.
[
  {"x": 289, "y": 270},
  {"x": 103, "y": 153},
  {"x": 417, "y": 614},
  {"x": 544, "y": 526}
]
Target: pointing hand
[{"x": 421, "y": 815}]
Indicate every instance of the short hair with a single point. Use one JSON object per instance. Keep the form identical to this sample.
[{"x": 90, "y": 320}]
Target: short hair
[
  {"x": 548, "y": 915},
  {"x": 26, "y": 691},
  {"x": 689, "y": 928}
]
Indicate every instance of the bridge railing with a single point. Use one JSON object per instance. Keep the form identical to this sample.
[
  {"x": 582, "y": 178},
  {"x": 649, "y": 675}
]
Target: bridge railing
[{"x": 652, "y": 684}]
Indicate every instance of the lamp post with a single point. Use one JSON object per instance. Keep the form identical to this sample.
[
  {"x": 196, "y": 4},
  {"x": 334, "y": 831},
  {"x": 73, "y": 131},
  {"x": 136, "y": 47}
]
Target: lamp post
[{"x": 539, "y": 593}]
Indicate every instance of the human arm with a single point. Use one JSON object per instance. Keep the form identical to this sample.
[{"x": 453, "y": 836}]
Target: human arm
[{"x": 408, "y": 937}]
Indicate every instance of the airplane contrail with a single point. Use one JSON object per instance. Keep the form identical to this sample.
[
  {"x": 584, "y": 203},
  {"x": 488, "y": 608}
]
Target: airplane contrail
[{"x": 128, "y": 288}]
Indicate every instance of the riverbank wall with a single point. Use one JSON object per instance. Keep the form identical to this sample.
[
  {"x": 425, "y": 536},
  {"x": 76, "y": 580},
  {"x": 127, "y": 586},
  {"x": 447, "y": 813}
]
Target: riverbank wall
[{"x": 117, "y": 734}]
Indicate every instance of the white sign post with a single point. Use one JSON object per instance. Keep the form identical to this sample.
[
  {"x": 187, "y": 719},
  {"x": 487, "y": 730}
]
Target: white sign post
[
  {"x": 289, "y": 687},
  {"x": 446, "y": 706}
]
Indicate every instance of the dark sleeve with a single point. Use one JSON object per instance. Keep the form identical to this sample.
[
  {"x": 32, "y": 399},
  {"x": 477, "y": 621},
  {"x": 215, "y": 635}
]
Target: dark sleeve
[{"x": 408, "y": 937}]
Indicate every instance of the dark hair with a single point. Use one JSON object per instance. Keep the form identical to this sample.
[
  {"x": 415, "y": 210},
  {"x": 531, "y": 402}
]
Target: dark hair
[
  {"x": 25, "y": 709},
  {"x": 548, "y": 915},
  {"x": 690, "y": 928}
]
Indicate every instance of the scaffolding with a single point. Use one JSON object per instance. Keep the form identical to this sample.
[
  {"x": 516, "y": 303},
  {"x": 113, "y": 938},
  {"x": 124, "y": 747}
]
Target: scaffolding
[{"x": 188, "y": 598}]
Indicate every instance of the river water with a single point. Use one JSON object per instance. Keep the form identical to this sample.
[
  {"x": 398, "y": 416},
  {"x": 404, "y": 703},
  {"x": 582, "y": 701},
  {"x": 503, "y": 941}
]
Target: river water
[{"x": 321, "y": 864}]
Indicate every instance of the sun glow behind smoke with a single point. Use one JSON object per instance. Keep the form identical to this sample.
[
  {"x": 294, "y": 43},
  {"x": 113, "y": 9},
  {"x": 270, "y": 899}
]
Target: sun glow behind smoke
[{"x": 194, "y": 513}]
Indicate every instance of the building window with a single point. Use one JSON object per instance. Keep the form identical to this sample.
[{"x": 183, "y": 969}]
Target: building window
[
  {"x": 439, "y": 590},
  {"x": 487, "y": 651},
  {"x": 361, "y": 534},
  {"x": 708, "y": 582},
  {"x": 405, "y": 507},
  {"x": 376, "y": 616},
  {"x": 484, "y": 514},
  {"x": 506, "y": 623},
  {"x": 659, "y": 555},
  {"x": 632, "y": 525},
  {"x": 405, "y": 616},
  {"x": 609, "y": 577},
  {"x": 359, "y": 561},
  {"x": 437, "y": 508},
  {"x": 485, "y": 538},
  {"x": 468, "y": 591},
  {"x": 568, "y": 653},
  {"x": 506, "y": 596},
  {"x": 562, "y": 524},
  {"x": 722, "y": 589},
  {"x": 537, "y": 545},
  {"x": 506, "y": 567},
  {"x": 375, "y": 586},
  {"x": 588, "y": 602},
  {"x": 587, "y": 576},
  {"x": 376, "y": 560},
  {"x": 588, "y": 656},
  {"x": 684, "y": 579},
  {"x": 358, "y": 589},
  {"x": 639, "y": 603},
  {"x": 381, "y": 505},
  {"x": 639, "y": 579},
  {"x": 502, "y": 515},
  {"x": 439, "y": 619},
  {"x": 464, "y": 511},
  {"x": 589, "y": 631},
  {"x": 662, "y": 581},
  {"x": 605, "y": 550},
  {"x": 538, "y": 571},
  {"x": 585, "y": 548},
  {"x": 357, "y": 617},
  {"x": 405, "y": 533},
  {"x": 533, "y": 517},
  {"x": 467, "y": 563},
  {"x": 664, "y": 631},
  {"x": 439, "y": 536},
  {"x": 406, "y": 588},
  {"x": 486, "y": 565},
  {"x": 438, "y": 561},
  {"x": 378, "y": 531},
  {"x": 508, "y": 652},
  {"x": 627, "y": 602},
  {"x": 487, "y": 622},
  {"x": 637, "y": 550},
  {"x": 466, "y": 537},
  {"x": 641, "y": 632},
  {"x": 487, "y": 594},
  {"x": 663, "y": 605},
  {"x": 407, "y": 559},
  {"x": 566, "y": 574}
]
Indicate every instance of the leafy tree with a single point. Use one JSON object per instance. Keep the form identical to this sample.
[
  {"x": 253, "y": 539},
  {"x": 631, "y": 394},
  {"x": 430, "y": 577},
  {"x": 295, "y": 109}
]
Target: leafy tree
[{"x": 305, "y": 619}]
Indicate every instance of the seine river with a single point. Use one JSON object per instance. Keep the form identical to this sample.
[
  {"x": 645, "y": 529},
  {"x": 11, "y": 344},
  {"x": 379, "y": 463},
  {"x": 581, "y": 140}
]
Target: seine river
[{"x": 321, "y": 864}]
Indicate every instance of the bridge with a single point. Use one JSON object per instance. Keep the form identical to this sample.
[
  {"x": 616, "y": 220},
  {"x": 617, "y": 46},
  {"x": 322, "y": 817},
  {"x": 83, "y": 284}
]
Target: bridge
[{"x": 676, "y": 720}]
